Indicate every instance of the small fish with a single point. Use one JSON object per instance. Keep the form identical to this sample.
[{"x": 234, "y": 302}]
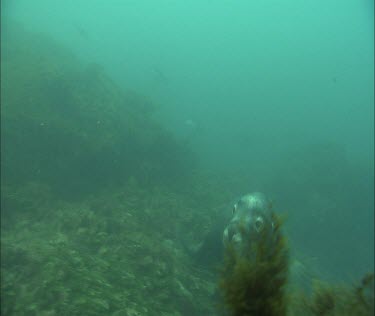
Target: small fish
[
  {"x": 190, "y": 123},
  {"x": 159, "y": 75},
  {"x": 82, "y": 32}
]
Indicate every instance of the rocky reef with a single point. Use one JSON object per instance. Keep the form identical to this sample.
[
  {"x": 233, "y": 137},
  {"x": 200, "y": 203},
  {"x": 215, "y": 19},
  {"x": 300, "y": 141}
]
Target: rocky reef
[
  {"x": 113, "y": 254},
  {"x": 95, "y": 196},
  {"x": 67, "y": 124}
]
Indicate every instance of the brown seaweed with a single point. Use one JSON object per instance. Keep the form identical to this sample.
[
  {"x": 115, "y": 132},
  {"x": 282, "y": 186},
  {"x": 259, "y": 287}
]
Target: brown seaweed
[{"x": 255, "y": 285}]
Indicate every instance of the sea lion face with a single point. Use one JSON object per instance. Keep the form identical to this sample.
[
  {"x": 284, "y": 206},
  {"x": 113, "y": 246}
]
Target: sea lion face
[{"x": 252, "y": 217}]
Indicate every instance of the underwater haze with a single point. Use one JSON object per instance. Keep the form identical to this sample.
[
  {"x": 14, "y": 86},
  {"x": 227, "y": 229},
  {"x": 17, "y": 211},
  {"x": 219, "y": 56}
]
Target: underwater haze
[
  {"x": 256, "y": 76},
  {"x": 217, "y": 99}
]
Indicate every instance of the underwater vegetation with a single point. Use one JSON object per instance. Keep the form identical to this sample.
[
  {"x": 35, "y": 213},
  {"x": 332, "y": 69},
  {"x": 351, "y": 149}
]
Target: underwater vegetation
[
  {"x": 258, "y": 285},
  {"x": 113, "y": 254},
  {"x": 321, "y": 186},
  {"x": 255, "y": 285},
  {"x": 328, "y": 299},
  {"x": 117, "y": 253}
]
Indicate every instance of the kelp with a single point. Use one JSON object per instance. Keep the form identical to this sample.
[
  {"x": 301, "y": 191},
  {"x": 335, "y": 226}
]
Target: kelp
[
  {"x": 255, "y": 284},
  {"x": 329, "y": 299}
]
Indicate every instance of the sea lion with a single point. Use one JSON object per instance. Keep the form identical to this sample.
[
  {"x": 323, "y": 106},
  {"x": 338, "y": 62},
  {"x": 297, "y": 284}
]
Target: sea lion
[{"x": 252, "y": 218}]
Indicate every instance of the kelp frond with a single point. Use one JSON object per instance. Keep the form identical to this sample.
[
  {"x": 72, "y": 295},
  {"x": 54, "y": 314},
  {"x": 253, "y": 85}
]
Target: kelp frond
[{"x": 253, "y": 283}]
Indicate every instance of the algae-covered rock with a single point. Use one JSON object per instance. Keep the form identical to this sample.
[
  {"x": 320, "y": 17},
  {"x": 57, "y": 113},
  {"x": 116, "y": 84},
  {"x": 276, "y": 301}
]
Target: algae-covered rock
[
  {"x": 66, "y": 123},
  {"x": 70, "y": 258}
]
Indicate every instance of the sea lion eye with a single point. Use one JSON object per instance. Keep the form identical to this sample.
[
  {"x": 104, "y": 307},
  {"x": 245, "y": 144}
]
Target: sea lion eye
[
  {"x": 234, "y": 208},
  {"x": 259, "y": 224}
]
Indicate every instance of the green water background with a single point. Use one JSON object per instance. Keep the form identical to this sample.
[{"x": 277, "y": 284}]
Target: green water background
[{"x": 277, "y": 95}]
